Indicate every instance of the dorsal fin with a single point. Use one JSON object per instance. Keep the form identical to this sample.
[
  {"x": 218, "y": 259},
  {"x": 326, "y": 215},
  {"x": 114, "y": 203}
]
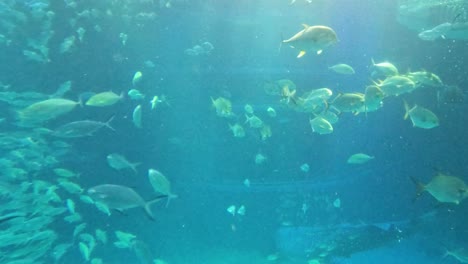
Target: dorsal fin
[{"x": 305, "y": 25}]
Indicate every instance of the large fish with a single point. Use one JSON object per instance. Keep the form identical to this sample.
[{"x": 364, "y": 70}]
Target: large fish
[
  {"x": 444, "y": 188},
  {"x": 121, "y": 198},
  {"x": 312, "y": 38}
]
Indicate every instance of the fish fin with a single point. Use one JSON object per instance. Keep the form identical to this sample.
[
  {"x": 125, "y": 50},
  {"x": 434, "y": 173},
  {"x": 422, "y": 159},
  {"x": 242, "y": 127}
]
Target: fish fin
[
  {"x": 420, "y": 187},
  {"x": 319, "y": 52},
  {"x": 301, "y": 53},
  {"x": 373, "y": 62},
  {"x": 305, "y": 25},
  {"x": 148, "y": 204},
  {"x": 407, "y": 109}
]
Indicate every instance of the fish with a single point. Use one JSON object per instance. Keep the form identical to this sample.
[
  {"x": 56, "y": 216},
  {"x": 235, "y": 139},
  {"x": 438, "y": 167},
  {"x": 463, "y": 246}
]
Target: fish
[
  {"x": 237, "y": 130},
  {"x": 317, "y": 97},
  {"x": 349, "y": 102},
  {"x": 119, "y": 162},
  {"x": 425, "y": 78},
  {"x": 421, "y": 117},
  {"x": 248, "y": 109},
  {"x": 373, "y": 98},
  {"x": 134, "y": 94},
  {"x": 11, "y": 216},
  {"x": 160, "y": 184},
  {"x": 104, "y": 99},
  {"x": 46, "y": 110},
  {"x": 136, "y": 116},
  {"x": 137, "y": 78},
  {"x": 396, "y": 85},
  {"x": 271, "y": 111},
  {"x": 436, "y": 32},
  {"x": 121, "y": 198},
  {"x": 444, "y": 188},
  {"x": 223, "y": 106},
  {"x": 383, "y": 69},
  {"x": 321, "y": 126},
  {"x": 359, "y": 158},
  {"x": 254, "y": 121},
  {"x": 342, "y": 69},
  {"x": 81, "y": 128},
  {"x": 312, "y": 38}
]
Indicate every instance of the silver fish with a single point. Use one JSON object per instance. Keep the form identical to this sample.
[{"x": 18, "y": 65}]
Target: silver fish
[
  {"x": 121, "y": 198},
  {"x": 81, "y": 128},
  {"x": 119, "y": 162}
]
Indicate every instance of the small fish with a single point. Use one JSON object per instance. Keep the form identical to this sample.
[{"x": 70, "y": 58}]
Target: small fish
[
  {"x": 349, "y": 102},
  {"x": 121, "y": 198},
  {"x": 160, "y": 184},
  {"x": 241, "y": 210},
  {"x": 444, "y": 188},
  {"x": 136, "y": 116},
  {"x": 342, "y": 69},
  {"x": 223, "y": 106},
  {"x": 247, "y": 183},
  {"x": 373, "y": 98},
  {"x": 254, "y": 121},
  {"x": 396, "y": 85},
  {"x": 137, "y": 78},
  {"x": 71, "y": 206},
  {"x": 271, "y": 111},
  {"x": 81, "y": 128},
  {"x": 383, "y": 69},
  {"x": 248, "y": 109},
  {"x": 84, "y": 251},
  {"x": 134, "y": 94},
  {"x": 119, "y": 162},
  {"x": 421, "y": 117},
  {"x": 305, "y": 167},
  {"x": 232, "y": 210},
  {"x": 312, "y": 38},
  {"x": 359, "y": 158},
  {"x": 237, "y": 130},
  {"x": 104, "y": 99},
  {"x": 321, "y": 126},
  {"x": 337, "y": 203}
]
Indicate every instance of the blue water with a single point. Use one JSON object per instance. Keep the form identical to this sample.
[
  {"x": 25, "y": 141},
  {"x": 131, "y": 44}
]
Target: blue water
[{"x": 195, "y": 149}]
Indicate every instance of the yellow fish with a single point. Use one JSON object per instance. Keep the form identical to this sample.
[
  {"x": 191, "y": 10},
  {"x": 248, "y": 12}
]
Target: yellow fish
[
  {"x": 104, "y": 99},
  {"x": 421, "y": 117},
  {"x": 312, "y": 38}
]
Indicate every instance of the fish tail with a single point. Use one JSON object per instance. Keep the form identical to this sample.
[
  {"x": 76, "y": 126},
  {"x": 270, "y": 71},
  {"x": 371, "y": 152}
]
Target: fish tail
[
  {"x": 148, "y": 204},
  {"x": 407, "y": 109},
  {"x": 170, "y": 197},
  {"x": 420, "y": 188},
  {"x": 373, "y": 62},
  {"x": 134, "y": 165},
  {"x": 107, "y": 124}
]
